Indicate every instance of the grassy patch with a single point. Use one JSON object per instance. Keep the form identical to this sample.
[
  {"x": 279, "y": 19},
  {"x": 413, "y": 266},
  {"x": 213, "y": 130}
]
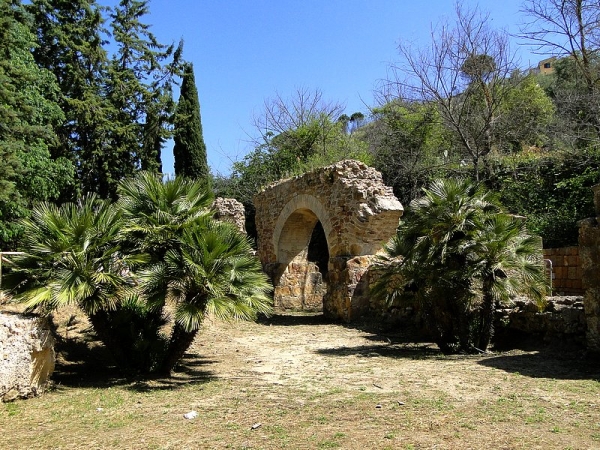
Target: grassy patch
[{"x": 293, "y": 386}]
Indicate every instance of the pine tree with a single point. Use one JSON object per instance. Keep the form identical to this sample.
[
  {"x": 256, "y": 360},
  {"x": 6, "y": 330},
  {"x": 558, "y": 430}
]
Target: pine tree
[
  {"x": 70, "y": 39},
  {"x": 139, "y": 88},
  {"x": 189, "y": 150}
]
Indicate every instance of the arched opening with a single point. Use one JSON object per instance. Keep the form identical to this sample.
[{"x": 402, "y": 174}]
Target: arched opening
[
  {"x": 318, "y": 252},
  {"x": 303, "y": 255}
]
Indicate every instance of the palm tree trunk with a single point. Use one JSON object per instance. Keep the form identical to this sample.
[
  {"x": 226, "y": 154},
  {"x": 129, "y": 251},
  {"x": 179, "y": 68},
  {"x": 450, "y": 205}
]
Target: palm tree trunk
[
  {"x": 486, "y": 328},
  {"x": 101, "y": 324},
  {"x": 178, "y": 344}
]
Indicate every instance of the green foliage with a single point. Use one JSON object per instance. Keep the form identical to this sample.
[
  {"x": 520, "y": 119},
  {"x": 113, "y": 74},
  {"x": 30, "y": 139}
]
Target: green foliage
[
  {"x": 29, "y": 114},
  {"x": 117, "y": 110},
  {"x": 577, "y": 101},
  {"x": 69, "y": 37},
  {"x": 71, "y": 257},
  {"x": 138, "y": 85},
  {"x": 189, "y": 150},
  {"x": 524, "y": 116},
  {"x": 553, "y": 191},
  {"x": 121, "y": 263},
  {"x": 452, "y": 256},
  {"x": 410, "y": 146}
]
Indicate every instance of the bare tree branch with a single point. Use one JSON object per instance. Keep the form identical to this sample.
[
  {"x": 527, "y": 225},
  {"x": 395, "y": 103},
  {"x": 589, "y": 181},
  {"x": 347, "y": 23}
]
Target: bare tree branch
[{"x": 464, "y": 72}]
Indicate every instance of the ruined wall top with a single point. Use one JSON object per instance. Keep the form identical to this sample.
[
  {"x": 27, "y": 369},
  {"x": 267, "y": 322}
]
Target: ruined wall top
[
  {"x": 357, "y": 210},
  {"x": 230, "y": 210}
]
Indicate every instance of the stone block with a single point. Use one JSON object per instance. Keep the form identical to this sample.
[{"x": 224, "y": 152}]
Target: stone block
[{"x": 27, "y": 356}]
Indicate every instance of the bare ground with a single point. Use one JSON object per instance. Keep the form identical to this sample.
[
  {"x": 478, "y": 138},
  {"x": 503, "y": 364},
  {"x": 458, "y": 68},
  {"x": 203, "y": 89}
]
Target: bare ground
[{"x": 299, "y": 382}]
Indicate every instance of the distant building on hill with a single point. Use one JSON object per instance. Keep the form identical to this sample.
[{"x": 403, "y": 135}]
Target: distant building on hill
[{"x": 545, "y": 66}]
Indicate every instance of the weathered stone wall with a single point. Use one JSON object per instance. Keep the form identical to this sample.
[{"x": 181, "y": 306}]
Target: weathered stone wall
[
  {"x": 566, "y": 269},
  {"x": 301, "y": 287},
  {"x": 26, "y": 356},
  {"x": 230, "y": 210},
  {"x": 563, "y": 320},
  {"x": 358, "y": 214},
  {"x": 589, "y": 253}
]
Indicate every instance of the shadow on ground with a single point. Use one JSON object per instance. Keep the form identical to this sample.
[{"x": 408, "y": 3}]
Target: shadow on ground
[
  {"x": 547, "y": 361},
  {"x": 88, "y": 365},
  {"x": 295, "y": 319},
  {"x": 397, "y": 342},
  {"x": 528, "y": 356}
]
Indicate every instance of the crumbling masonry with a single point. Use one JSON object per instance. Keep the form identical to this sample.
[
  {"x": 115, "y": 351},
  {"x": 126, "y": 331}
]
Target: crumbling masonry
[{"x": 318, "y": 233}]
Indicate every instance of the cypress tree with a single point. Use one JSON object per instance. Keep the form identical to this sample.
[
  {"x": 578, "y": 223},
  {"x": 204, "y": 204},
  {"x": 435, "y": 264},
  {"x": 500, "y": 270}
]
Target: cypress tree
[{"x": 189, "y": 150}]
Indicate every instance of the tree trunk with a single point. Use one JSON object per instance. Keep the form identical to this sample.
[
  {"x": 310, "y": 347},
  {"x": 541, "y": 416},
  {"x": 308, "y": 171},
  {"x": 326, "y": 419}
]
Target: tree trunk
[
  {"x": 178, "y": 344},
  {"x": 486, "y": 327},
  {"x": 102, "y": 327}
]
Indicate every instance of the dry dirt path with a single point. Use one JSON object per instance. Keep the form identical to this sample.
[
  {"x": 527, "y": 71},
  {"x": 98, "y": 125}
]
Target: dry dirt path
[{"x": 296, "y": 382}]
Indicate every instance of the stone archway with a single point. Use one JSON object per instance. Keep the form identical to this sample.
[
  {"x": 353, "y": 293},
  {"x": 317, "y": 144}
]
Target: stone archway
[
  {"x": 302, "y": 284},
  {"x": 354, "y": 213}
]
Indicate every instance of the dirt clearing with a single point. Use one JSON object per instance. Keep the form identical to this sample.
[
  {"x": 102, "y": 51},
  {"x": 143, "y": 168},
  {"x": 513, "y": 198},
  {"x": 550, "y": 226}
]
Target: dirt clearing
[{"x": 298, "y": 382}]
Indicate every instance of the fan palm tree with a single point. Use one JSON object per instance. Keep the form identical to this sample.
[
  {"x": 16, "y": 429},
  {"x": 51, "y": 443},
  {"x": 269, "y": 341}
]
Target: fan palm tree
[
  {"x": 72, "y": 257},
  {"x": 508, "y": 263},
  {"x": 199, "y": 265},
  {"x": 210, "y": 271},
  {"x": 457, "y": 254},
  {"x": 157, "y": 212}
]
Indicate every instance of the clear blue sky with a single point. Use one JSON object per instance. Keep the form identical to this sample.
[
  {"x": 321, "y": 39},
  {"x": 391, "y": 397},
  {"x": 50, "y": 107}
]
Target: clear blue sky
[{"x": 245, "y": 51}]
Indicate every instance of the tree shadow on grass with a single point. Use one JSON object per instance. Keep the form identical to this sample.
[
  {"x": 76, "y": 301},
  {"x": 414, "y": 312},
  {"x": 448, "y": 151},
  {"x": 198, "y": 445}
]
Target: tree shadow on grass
[
  {"x": 87, "y": 364},
  {"x": 536, "y": 359}
]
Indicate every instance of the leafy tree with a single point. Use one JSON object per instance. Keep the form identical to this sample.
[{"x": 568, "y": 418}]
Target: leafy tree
[
  {"x": 70, "y": 43},
  {"x": 189, "y": 150},
  {"x": 410, "y": 146},
  {"x": 118, "y": 110},
  {"x": 454, "y": 252},
  {"x": 525, "y": 115},
  {"x": 29, "y": 114}
]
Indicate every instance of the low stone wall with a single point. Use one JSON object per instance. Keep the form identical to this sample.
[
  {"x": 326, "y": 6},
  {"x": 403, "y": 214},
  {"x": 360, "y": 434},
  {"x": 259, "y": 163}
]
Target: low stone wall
[
  {"x": 589, "y": 251},
  {"x": 26, "y": 356},
  {"x": 566, "y": 270},
  {"x": 563, "y": 320}
]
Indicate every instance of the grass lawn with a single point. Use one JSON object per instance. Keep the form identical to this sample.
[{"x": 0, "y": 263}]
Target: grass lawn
[{"x": 298, "y": 382}]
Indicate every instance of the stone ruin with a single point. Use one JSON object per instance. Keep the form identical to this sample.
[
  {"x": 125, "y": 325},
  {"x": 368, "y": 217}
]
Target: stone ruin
[
  {"x": 589, "y": 254},
  {"x": 318, "y": 234},
  {"x": 26, "y": 356},
  {"x": 230, "y": 210}
]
